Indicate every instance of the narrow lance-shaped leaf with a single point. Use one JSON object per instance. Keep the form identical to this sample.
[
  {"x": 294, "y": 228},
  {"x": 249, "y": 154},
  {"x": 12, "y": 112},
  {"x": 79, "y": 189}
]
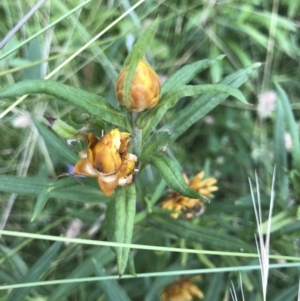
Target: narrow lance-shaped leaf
[
  {"x": 191, "y": 232},
  {"x": 70, "y": 188},
  {"x": 140, "y": 47},
  {"x": 41, "y": 202},
  {"x": 35, "y": 273},
  {"x": 291, "y": 123},
  {"x": 187, "y": 73},
  {"x": 84, "y": 269},
  {"x": 63, "y": 129},
  {"x": 131, "y": 265},
  {"x": 171, "y": 173},
  {"x": 280, "y": 154},
  {"x": 91, "y": 103},
  {"x": 22, "y": 186},
  {"x": 120, "y": 221},
  {"x": 179, "y": 78},
  {"x": 111, "y": 288},
  {"x": 170, "y": 99},
  {"x": 195, "y": 110},
  {"x": 47, "y": 192},
  {"x": 137, "y": 52},
  {"x": 57, "y": 144}
]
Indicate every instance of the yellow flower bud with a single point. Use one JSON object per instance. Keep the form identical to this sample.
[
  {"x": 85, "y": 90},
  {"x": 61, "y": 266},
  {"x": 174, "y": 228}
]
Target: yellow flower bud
[{"x": 145, "y": 87}]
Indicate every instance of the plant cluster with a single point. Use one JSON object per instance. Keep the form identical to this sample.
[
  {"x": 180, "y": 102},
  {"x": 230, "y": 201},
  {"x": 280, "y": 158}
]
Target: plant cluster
[{"x": 146, "y": 174}]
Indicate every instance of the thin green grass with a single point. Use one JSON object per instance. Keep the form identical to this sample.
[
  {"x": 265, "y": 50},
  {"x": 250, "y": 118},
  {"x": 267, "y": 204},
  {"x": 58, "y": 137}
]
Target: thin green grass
[{"x": 144, "y": 275}]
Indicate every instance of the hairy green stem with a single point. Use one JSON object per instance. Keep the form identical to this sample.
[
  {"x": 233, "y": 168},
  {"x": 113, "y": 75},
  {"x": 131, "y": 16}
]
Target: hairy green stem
[{"x": 137, "y": 135}]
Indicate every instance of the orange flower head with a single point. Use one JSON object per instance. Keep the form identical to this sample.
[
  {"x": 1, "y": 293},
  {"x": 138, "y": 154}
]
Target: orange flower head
[
  {"x": 107, "y": 160},
  {"x": 145, "y": 88},
  {"x": 186, "y": 206},
  {"x": 181, "y": 290},
  {"x": 204, "y": 187},
  {"x": 104, "y": 154}
]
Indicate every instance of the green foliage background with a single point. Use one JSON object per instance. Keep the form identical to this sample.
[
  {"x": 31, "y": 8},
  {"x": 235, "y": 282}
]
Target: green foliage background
[{"x": 231, "y": 143}]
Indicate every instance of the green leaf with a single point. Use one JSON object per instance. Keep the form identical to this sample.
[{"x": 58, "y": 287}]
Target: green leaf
[
  {"x": 91, "y": 103},
  {"x": 111, "y": 288},
  {"x": 63, "y": 130},
  {"x": 57, "y": 144},
  {"x": 139, "y": 48},
  {"x": 131, "y": 265},
  {"x": 212, "y": 238},
  {"x": 278, "y": 221},
  {"x": 47, "y": 192},
  {"x": 41, "y": 202},
  {"x": 195, "y": 110},
  {"x": 187, "y": 73},
  {"x": 33, "y": 54},
  {"x": 290, "y": 293},
  {"x": 137, "y": 52},
  {"x": 23, "y": 186},
  {"x": 172, "y": 174},
  {"x": 35, "y": 273},
  {"x": 89, "y": 192},
  {"x": 170, "y": 98},
  {"x": 128, "y": 79},
  {"x": 153, "y": 292},
  {"x": 280, "y": 154},
  {"x": 292, "y": 126},
  {"x": 120, "y": 221},
  {"x": 69, "y": 189},
  {"x": 255, "y": 34},
  {"x": 217, "y": 282},
  {"x": 84, "y": 269},
  {"x": 17, "y": 263}
]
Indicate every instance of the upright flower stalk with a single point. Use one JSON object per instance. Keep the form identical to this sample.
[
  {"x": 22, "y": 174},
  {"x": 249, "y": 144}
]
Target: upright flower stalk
[
  {"x": 137, "y": 135},
  {"x": 144, "y": 94}
]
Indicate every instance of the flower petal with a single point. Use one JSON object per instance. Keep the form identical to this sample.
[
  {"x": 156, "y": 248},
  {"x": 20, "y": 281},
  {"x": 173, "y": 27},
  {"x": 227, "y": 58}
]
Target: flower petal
[
  {"x": 107, "y": 161},
  {"x": 107, "y": 184},
  {"x": 84, "y": 167}
]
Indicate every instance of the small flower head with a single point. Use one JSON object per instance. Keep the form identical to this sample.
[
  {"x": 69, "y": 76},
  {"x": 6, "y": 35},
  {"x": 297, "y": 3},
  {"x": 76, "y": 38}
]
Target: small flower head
[
  {"x": 204, "y": 186},
  {"x": 190, "y": 207},
  {"x": 288, "y": 141},
  {"x": 145, "y": 87},
  {"x": 108, "y": 160},
  {"x": 21, "y": 121},
  {"x": 181, "y": 290},
  {"x": 266, "y": 104}
]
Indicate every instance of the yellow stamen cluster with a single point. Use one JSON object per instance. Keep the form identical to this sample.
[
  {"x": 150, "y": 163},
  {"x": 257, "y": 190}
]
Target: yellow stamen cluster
[
  {"x": 187, "y": 206},
  {"x": 108, "y": 160},
  {"x": 181, "y": 290}
]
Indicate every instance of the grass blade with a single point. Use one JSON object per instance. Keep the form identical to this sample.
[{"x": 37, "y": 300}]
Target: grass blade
[{"x": 35, "y": 273}]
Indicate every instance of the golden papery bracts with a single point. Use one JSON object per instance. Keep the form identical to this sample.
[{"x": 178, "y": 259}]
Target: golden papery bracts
[
  {"x": 108, "y": 160},
  {"x": 145, "y": 88}
]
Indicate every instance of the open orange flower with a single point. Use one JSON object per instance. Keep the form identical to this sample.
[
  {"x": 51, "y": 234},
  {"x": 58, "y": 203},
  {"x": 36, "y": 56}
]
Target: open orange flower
[
  {"x": 181, "y": 290},
  {"x": 187, "y": 206},
  {"x": 108, "y": 160}
]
